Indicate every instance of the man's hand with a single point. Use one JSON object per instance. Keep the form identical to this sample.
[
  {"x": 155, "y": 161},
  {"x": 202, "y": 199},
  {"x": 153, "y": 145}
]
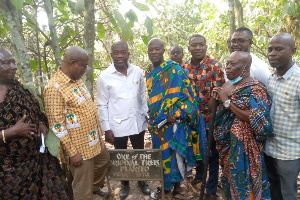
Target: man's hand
[
  {"x": 109, "y": 137},
  {"x": 171, "y": 120},
  {"x": 43, "y": 129},
  {"x": 24, "y": 129},
  {"x": 76, "y": 160}
]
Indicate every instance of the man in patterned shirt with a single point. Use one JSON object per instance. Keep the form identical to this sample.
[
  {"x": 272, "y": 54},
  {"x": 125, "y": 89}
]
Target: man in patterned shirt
[
  {"x": 283, "y": 151},
  {"x": 73, "y": 117},
  {"x": 205, "y": 73}
]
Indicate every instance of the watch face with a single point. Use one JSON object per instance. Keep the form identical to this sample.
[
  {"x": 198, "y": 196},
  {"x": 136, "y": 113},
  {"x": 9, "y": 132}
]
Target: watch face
[{"x": 227, "y": 103}]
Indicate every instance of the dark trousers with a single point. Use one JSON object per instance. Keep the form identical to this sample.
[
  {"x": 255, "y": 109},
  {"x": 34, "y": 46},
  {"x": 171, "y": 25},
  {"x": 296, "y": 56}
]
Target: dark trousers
[
  {"x": 137, "y": 142},
  {"x": 212, "y": 183},
  {"x": 273, "y": 178}
]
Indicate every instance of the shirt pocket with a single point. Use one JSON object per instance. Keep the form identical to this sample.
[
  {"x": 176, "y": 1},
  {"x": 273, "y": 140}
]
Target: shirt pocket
[
  {"x": 289, "y": 101},
  {"x": 118, "y": 121}
]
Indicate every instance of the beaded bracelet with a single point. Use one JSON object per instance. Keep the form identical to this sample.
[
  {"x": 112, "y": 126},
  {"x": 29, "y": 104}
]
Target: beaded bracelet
[{"x": 3, "y": 136}]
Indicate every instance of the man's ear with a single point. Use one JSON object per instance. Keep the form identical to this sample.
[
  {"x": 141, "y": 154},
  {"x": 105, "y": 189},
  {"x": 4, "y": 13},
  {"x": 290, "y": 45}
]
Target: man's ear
[
  {"x": 293, "y": 51},
  {"x": 73, "y": 62}
]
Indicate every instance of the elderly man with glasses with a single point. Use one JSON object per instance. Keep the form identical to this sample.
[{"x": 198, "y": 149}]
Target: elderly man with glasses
[{"x": 241, "y": 40}]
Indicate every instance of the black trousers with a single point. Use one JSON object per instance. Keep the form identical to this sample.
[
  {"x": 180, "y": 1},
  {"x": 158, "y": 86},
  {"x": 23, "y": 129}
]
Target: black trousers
[
  {"x": 137, "y": 142},
  {"x": 273, "y": 177}
]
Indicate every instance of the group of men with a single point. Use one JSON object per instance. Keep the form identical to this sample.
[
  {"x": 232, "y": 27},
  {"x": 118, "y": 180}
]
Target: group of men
[{"x": 177, "y": 113}]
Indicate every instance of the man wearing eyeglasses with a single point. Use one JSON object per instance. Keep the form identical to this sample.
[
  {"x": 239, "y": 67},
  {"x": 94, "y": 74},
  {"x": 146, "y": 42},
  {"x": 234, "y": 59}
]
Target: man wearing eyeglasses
[{"x": 241, "y": 40}]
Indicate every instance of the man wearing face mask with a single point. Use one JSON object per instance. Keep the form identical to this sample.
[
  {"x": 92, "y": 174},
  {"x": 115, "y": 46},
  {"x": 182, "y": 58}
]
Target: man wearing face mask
[
  {"x": 242, "y": 126},
  {"x": 205, "y": 73},
  {"x": 241, "y": 40}
]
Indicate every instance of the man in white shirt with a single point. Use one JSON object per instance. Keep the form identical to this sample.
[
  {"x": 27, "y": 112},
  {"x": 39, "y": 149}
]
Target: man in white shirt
[
  {"x": 122, "y": 105},
  {"x": 241, "y": 40}
]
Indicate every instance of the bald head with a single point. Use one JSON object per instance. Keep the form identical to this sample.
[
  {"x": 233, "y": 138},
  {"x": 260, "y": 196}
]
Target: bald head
[
  {"x": 118, "y": 44},
  {"x": 4, "y": 53},
  {"x": 284, "y": 38},
  {"x": 238, "y": 64},
  {"x": 176, "y": 54},
  {"x": 281, "y": 49},
  {"x": 156, "y": 51},
  {"x": 75, "y": 62},
  {"x": 75, "y": 53},
  {"x": 8, "y": 66},
  {"x": 243, "y": 57},
  {"x": 156, "y": 41}
]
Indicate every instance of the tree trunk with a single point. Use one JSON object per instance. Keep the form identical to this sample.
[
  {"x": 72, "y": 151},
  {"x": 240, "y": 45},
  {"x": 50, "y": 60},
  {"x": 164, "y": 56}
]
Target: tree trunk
[
  {"x": 89, "y": 41},
  {"x": 240, "y": 14},
  {"x": 13, "y": 19},
  {"x": 54, "y": 39},
  {"x": 231, "y": 16}
]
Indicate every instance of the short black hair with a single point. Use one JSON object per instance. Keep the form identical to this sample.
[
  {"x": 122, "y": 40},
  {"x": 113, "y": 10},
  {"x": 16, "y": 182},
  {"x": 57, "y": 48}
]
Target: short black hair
[
  {"x": 178, "y": 47},
  {"x": 245, "y": 29},
  {"x": 196, "y": 35}
]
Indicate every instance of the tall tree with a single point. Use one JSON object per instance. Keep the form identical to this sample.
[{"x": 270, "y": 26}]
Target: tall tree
[
  {"x": 231, "y": 15},
  {"x": 13, "y": 18},
  {"x": 240, "y": 14},
  {"x": 89, "y": 41},
  {"x": 48, "y": 6}
]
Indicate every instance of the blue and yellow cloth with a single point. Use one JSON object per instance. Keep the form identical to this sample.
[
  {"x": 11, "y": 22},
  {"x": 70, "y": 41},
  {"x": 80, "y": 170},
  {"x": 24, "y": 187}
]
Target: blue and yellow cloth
[{"x": 171, "y": 94}]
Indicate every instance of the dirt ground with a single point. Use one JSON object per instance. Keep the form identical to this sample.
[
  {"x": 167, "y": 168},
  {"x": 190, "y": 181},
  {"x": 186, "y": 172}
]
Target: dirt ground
[{"x": 188, "y": 192}]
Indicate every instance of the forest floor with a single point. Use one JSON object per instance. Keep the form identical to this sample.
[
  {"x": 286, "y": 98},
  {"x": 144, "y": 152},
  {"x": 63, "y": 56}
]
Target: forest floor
[{"x": 187, "y": 191}]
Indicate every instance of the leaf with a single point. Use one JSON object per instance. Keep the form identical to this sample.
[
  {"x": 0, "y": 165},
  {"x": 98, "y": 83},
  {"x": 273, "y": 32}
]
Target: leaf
[
  {"x": 290, "y": 9},
  {"x": 33, "y": 64},
  {"x": 101, "y": 30},
  {"x": 141, "y": 6},
  {"x": 18, "y": 3},
  {"x": 53, "y": 143},
  {"x": 199, "y": 27},
  {"x": 145, "y": 39},
  {"x": 132, "y": 17},
  {"x": 126, "y": 31},
  {"x": 149, "y": 26}
]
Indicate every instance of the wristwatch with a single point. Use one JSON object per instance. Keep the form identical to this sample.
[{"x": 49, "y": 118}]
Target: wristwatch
[{"x": 227, "y": 103}]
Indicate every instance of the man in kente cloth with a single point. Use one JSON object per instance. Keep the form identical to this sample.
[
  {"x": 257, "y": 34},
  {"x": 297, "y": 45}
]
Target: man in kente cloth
[{"x": 175, "y": 122}]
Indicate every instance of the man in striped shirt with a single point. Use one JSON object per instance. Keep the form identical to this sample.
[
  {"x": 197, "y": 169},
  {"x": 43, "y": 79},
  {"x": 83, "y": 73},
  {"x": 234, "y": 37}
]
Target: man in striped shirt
[{"x": 283, "y": 151}]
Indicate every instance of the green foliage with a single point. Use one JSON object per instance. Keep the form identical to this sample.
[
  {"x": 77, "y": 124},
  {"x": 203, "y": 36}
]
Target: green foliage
[
  {"x": 126, "y": 31},
  {"x": 18, "y": 3},
  {"x": 100, "y": 30},
  {"x": 140, "y": 6},
  {"x": 52, "y": 143}
]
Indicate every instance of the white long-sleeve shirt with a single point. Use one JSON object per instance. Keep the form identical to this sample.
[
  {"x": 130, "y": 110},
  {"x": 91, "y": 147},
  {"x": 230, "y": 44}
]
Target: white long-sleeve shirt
[
  {"x": 259, "y": 70},
  {"x": 122, "y": 102}
]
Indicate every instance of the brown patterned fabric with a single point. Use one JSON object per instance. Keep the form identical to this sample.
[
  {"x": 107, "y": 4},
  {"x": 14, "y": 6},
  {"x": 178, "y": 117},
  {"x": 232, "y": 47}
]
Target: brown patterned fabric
[{"x": 25, "y": 173}]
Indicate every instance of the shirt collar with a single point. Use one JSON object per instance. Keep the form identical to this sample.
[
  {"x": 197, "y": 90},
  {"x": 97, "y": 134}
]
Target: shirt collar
[
  {"x": 288, "y": 73},
  {"x": 112, "y": 68},
  {"x": 201, "y": 62},
  {"x": 63, "y": 77}
]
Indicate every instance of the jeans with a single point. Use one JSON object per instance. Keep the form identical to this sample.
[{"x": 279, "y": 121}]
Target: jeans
[
  {"x": 212, "y": 183},
  {"x": 282, "y": 175}
]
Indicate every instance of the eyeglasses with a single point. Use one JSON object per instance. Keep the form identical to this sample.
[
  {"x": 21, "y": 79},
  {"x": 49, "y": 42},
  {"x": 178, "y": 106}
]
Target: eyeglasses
[{"x": 239, "y": 41}]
